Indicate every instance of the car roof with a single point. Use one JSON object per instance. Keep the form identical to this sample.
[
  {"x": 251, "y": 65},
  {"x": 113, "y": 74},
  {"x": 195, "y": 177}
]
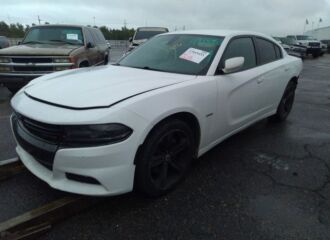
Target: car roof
[
  {"x": 221, "y": 33},
  {"x": 152, "y": 29},
  {"x": 61, "y": 25}
]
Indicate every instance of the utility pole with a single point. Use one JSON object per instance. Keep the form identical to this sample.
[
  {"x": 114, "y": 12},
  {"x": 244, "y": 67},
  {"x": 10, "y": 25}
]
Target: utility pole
[
  {"x": 94, "y": 20},
  {"x": 125, "y": 23},
  {"x": 39, "y": 20}
]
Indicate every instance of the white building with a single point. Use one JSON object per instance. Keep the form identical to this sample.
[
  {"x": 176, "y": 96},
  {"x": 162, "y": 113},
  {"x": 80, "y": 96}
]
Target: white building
[{"x": 320, "y": 33}]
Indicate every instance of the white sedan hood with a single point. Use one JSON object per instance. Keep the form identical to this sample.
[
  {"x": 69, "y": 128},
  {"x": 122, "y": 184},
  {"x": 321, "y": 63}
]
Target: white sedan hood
[{"x": 99, "y": 86}]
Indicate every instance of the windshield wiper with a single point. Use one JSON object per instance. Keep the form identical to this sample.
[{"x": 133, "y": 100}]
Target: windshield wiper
[
  {"x": 62, "y": 41},
  {"x": 28, "y": 42},
  {"x": 152, "y": 69}
]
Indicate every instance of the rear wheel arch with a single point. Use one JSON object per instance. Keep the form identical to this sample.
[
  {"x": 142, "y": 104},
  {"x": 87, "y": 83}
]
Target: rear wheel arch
[{"x": 294, "y": 80}]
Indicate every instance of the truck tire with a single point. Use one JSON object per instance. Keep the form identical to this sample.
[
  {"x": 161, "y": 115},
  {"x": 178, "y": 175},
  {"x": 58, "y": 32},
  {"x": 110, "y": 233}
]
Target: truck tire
[{"x": 83, "y": 65}]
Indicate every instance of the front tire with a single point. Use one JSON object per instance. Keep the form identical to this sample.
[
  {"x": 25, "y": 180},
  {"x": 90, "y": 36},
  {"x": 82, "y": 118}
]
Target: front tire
[
  {"x": 285, "y": 106},
  {"x": 165, "y": 158}
]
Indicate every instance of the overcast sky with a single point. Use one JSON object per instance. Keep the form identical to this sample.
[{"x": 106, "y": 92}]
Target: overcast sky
[{"x": 276, "y": 17}]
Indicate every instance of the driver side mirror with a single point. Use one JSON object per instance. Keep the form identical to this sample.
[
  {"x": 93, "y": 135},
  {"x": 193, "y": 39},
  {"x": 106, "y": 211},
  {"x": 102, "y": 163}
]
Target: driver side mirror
[
  {"x": 130, "y": 39},
  {"x": 19, "y": 43},
  {"x": 90, "y": 45},
  {"x": 233, "y": 64}
]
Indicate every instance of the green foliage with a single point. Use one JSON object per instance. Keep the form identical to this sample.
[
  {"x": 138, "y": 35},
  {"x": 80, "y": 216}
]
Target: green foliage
[
  {"x": 13, "y": 30},
  {"x": 18, "y": 31},
  {"x": 117, "y": 34}
]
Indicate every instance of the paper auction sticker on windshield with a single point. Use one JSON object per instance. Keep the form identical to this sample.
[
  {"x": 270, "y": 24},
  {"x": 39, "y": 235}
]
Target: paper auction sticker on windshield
[
  {"x": 194, "y": 55},
  {"x": 72, "y": 36}
]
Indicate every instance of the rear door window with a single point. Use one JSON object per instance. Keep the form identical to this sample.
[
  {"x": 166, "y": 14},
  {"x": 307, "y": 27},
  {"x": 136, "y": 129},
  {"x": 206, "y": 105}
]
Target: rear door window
[
  {"x": 278, "y": 52},
  {"x": 266, "y": 51}
]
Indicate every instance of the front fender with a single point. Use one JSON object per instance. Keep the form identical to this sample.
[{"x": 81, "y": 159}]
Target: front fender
[{"x": 197, "y": 97}]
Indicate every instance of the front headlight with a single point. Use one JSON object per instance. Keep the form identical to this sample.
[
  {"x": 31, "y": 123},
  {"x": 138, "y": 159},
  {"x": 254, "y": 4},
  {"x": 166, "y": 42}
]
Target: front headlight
[
  {"x": 5, "y": 60},
  {"x": 95, "y": 135},
  {"x": 62, "y": 60}
]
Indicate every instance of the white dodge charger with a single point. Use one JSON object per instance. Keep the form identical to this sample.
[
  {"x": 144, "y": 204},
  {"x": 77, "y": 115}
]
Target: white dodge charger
[{"x": 139, "y": 123}]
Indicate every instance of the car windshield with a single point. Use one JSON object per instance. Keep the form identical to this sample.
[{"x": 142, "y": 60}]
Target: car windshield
[
  {"x": 66, "y": 35},
  {"x": 302, "y": 37},
  {"x": 175, "y": 53},
  {"x": 147, "y": 34}
]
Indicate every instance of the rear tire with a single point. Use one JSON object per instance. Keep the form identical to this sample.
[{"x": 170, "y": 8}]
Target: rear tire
[
  {"x": 165, "y": 158},
  {"x": 286, "y": 103}
]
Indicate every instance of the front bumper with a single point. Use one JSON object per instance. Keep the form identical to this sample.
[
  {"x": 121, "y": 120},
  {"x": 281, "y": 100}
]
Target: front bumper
[
  {"x": 314, "y": 51},
  {"x": 111, "y": 166}
]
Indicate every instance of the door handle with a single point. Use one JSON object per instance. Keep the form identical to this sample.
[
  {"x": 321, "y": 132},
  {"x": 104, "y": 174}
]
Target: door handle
[
  {"x": 286, "y": 69},
  {"x": 260, "y": 80}
]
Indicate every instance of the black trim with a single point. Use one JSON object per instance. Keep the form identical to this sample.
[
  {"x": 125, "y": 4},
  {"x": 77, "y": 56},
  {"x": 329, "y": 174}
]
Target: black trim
[
  {"x": 82, "y": 179},
  {"x": 97, "y": 107}
]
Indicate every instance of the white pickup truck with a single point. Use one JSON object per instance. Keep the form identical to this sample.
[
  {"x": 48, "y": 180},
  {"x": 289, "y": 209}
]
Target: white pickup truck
[{"x": 312, "y": 45}]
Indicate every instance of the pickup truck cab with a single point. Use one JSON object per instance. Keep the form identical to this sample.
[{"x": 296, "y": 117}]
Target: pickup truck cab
[
  {"x": 291, "y": 47},
  {"x": 313, "y": 46},
  {"x": 143, "y": 34},
  {"x": 327, "y": 43},
  {"x": 51, "y": 48}
]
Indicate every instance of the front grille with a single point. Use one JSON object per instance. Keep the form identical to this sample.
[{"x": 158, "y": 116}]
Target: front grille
[
  {"x": 33, "y": 69},
  {"x": 314, "y": 44},
  {"x": 47, "y": 132},
  {"x": 42, "y": 152},
  {"x": 32, "y": 60}
]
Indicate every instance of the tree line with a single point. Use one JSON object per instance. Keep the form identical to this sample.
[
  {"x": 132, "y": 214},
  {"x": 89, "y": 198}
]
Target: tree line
[{"x": 18, "y": 30}]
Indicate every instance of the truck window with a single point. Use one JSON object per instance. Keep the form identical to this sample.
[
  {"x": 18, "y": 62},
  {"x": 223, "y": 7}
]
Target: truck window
[
  {"x": 53, "y": 34},
  {"x": 89, "y": 37}
]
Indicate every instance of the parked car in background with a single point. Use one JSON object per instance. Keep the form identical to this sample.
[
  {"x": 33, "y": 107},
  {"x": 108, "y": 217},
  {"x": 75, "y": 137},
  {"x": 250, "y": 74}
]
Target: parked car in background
[
  {"x": 4, "y": 42},
  {"x": 51, "y": 48},
  {"x": 142, "y": 34},
  {"x": 291, "y": 47},
  {"x": 327, "y": 42},
  {"x": 109, "y": 44},
  {"x": 140, "y": 122},
  {"x": 324, "y": 48},
  {"x": 313, "y": 46}
]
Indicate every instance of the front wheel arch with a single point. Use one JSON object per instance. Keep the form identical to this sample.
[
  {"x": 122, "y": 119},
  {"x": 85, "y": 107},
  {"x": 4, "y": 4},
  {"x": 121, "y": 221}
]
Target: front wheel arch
[{"x": 187, "y": 117}]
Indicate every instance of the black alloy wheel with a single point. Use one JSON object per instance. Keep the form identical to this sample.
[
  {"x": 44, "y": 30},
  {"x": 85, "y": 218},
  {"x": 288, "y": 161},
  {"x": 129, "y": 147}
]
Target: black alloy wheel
[{"x": 166, "y": 156}]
